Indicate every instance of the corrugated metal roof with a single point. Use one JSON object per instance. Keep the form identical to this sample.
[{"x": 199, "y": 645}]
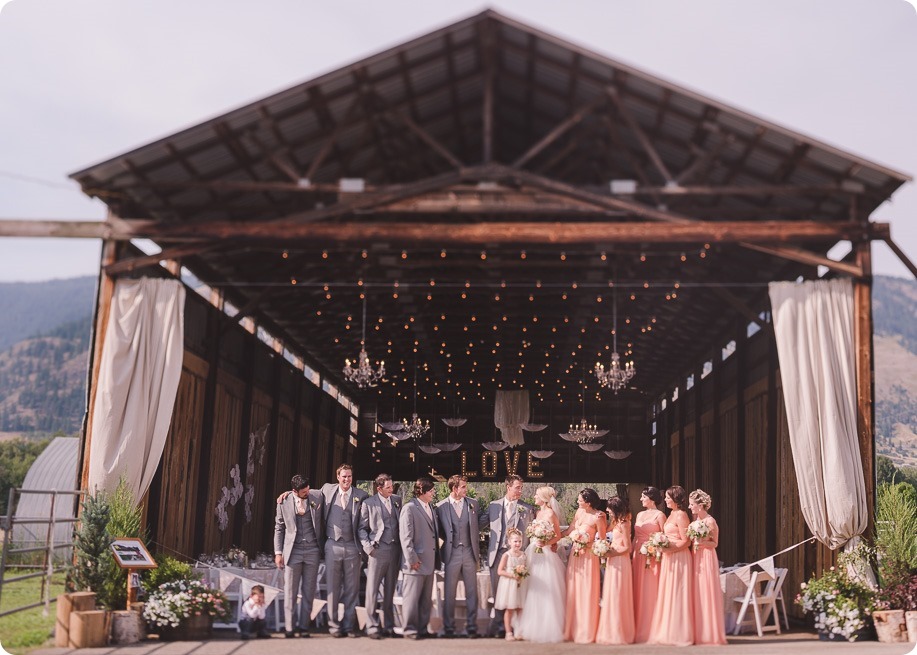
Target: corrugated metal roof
[{"x": 54, "y": 469}]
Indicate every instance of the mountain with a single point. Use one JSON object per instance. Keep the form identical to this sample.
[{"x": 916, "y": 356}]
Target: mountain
[
  {"x": 43, "y": 380},
  {"x": 32, "y": 308},
  {"x": 894, "y": 308}
]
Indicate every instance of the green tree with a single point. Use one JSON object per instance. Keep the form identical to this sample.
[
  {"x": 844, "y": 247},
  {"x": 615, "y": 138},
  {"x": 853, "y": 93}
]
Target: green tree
[
  {"x": 16, "y": 457},
  {"x": 91, "y": 544}
]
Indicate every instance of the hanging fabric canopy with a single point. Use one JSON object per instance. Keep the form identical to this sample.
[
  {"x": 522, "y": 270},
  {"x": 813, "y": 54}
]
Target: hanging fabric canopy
[
  {"x": 138, "y": 381},
  {"x": 813, "y": 324},
  {"x": 510, "y": 412}
]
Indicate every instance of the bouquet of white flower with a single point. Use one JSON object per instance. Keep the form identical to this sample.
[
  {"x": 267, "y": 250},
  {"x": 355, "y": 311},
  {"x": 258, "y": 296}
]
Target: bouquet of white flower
[
  {"x": 653, "y": 546},
  {"x": 520, "y": 572},
  {"x": 580, "y": 540},
  {"x": 698, "y": 530},
  {"x": 540, "y": 531},
  {"x": 600, "y": 549}
]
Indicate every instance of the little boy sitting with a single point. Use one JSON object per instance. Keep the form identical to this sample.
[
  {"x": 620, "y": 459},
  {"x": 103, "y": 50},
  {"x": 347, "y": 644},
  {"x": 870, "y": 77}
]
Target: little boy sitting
[{"x": 252, "y": 619}]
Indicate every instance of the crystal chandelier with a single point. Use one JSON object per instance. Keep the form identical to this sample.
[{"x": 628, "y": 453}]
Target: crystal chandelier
[
  {"x": 615, "y": 377},
  {"x": 583, "y": 432},
  {"x": 363, "y": 374},
  {"x": 415, "y": 428}
]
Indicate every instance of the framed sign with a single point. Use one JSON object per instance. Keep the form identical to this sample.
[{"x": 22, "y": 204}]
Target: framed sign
[{"x": 130, "y": 553}]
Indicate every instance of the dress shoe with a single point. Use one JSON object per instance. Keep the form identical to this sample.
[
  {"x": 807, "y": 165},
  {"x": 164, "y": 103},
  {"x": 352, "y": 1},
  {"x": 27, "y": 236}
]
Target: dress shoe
[
  {"x": 472, "y": 635},
  {"x": 338, "y": 635},
  {"x": 413, "y": 636},
  {"x": 375, "y": 635},
  {"x": 448, "y": 635},
  {"x": 354, "y": 635},
  {"x": 246, "y": 637},
  {"x": 390, "y": 633}
]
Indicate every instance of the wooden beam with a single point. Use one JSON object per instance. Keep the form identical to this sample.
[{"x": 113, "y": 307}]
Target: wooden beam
[
  {"x": 904, "y": 258},
  {"x": 137, "y": 263},
  {"x": 806, "y": 257},
  {"x": 330, "y": 141},
  {"x": 488, "y": 59},
  {"x": 559, "y": 130},
  {"x": 739, "y": 305},
  {"x": 758, "y": 235},
  {"x": 749, "y": 234},
  {"x": 104, "y": 294},
  {"x": 430, "y": 140},
  {"x": 641, "y": 136},
  {"x": 56, "y": 229},
  {"x": 863, "y": 352}
]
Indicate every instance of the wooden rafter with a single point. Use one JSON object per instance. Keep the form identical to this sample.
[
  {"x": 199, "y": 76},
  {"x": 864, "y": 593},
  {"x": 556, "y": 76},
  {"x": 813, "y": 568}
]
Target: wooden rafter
[
  {"x": 488, "y": 59},
  {"x": 640, "y": 134},
  {"x": 138, "y": 263},
  {"x": 805, "y": 257},
  {"x": 430, "y": 140},
  {"x": 559, "y": 130}
]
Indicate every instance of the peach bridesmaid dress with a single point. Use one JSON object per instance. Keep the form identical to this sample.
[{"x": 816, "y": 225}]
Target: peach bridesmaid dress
[
  {"x": 709, "y": 623},
  {"x": 673, "y": 617},
  {"x": 583, "y": 585},
  {"x": 646, "y": 580},
  {"x": 616, "y": 619}
]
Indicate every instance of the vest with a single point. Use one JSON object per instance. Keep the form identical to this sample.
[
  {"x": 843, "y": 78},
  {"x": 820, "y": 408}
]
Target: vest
[
  {"x": 390, "y": 521},
  {"x": 305, "y": 537},
  {"x": 461, "y": 526},
  {"x": 340, "y": 521}
]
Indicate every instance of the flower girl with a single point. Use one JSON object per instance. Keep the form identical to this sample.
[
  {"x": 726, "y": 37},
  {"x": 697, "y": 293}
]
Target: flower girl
[{"x": 511, "y": 588}]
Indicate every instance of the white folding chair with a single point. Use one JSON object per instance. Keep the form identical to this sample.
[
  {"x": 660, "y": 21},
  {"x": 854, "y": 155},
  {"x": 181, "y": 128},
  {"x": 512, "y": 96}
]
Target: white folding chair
[
  {"x": 781, "y": 577},
  {"x": 762, "y": 598}
]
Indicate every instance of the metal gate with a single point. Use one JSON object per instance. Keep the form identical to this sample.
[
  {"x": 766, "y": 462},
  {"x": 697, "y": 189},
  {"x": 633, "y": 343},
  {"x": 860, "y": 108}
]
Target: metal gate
[{"x": 50, "y": 555}]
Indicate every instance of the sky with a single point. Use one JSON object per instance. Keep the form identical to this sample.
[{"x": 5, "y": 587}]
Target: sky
[{"x": 84, "y": 80}]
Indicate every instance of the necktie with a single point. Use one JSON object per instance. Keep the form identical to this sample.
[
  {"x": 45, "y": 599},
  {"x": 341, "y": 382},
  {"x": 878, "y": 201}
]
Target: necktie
[
  {"x": 300, "y": 505},
  {"x": 511, "y": 513},
  {"x": 344, "y": 497},
  {"x": 458, "y": 507},
  {"x": 427, "y": 509},
  {"x": 387, "y": 504}
]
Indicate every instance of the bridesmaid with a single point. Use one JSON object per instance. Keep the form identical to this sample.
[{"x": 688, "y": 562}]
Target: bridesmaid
[
  {"x": 616, "y": 619},
  {"x": 584, "y": 572},
  {"x": 646, "y": 580},
  {"x": 673, "y": 618},
  {"x": 709, "y": 622}
]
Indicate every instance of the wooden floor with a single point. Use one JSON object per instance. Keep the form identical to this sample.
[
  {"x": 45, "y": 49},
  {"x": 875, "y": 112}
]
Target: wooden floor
[{"x": 796, "y": 642}]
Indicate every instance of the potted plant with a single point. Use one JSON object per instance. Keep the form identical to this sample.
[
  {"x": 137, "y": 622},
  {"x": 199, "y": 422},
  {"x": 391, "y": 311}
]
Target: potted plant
[
  {"x": 896, "y": 617},
  {"x": 841, "y": 606},
  {"x": 896, "y": 545},
  {"x": 185, "y": 610}
]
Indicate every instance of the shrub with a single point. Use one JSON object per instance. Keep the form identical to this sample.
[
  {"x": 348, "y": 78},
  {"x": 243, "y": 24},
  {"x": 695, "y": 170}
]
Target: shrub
[
  {"x": 91, "y": 543},
  {"x": 169, "y": 570},
  {"x": 840, "y": 605}
]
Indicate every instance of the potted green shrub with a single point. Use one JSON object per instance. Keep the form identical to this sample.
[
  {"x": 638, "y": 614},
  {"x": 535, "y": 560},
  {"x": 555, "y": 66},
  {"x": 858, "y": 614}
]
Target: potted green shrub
[{"x": 896, "y": 545}]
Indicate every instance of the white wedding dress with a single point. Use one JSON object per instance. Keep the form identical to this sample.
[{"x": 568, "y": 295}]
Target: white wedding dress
[{"x": 542, "y": 616}]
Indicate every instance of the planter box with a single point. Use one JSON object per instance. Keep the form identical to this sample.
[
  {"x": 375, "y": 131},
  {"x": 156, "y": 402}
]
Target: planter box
[
  {"x": 910, "y": 620},
  {"x": 88, "y": 629},
  {"x": 890, "y": 626},
  {"x": 79, "y": 601},
  {"x": 127, "y": 627},
  {"x": 195, "y": 628}
]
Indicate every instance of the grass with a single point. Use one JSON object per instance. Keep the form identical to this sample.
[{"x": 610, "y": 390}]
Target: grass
[{"x": 22, "y": 631}]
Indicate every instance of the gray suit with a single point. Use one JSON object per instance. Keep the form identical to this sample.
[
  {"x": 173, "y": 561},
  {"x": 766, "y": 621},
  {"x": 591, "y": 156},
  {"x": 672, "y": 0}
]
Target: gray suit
[
  {"x": 343, "y": 556},
  {"x": 496, "y": 546},
  {"x": 381, "y": 543},
  {"x": 419, "y": 543},
  {"x": 461, "y": 554},
  {"x": 301, "y": 550}
]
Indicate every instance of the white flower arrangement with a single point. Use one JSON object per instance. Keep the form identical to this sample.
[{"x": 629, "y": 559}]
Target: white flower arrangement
[
  {"x": 540, "y": 532},
  {"x": 175, "y": 601},
  {"x": 580, "y": 539},
  {"x": 698, "y": 530}
]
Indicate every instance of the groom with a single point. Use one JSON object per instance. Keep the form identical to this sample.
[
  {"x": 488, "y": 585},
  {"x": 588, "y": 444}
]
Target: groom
[{"x": 501, "y": 515}]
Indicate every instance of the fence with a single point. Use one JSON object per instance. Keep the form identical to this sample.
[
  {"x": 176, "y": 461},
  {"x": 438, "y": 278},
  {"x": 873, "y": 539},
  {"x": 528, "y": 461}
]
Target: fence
[{"x": 19, "y": 537}]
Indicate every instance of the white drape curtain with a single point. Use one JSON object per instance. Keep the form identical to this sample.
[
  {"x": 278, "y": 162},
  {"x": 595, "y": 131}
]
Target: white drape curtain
[
  {"x": 813, "y": 324},
  {"x": 138, "y": 381},
  {"x": 510, "y": 411}
]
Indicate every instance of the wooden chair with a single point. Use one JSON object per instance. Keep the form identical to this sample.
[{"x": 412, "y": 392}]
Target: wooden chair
[
  {"x": 762, "y": 598},
  {"x": 781, "y": 577}
]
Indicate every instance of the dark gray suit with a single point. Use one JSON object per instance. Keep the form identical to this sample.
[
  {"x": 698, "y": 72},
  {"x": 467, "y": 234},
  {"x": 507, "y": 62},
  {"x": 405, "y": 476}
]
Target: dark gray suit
[
  {"x": 299, "y": 540},
  {"x": 419, "y": 543},
  {"x": 379, "y": 536},
  {"x": 499, "y": 524},
  {"x": 343, "y": 555},
  {"x": 460, "y": 554}
]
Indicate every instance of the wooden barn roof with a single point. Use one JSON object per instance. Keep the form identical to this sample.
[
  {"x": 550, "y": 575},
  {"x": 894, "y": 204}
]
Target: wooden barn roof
[{"x": 484, "y": 184}]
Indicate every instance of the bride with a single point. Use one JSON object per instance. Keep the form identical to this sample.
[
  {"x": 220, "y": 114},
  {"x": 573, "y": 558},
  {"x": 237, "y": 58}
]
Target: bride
[{"x": 542, "y": 617}]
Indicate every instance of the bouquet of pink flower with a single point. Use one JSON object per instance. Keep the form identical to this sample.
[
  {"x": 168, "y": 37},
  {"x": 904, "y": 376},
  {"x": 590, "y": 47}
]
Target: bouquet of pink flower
[
  {"x": 580, "y": 540},
  {"x": 698, "y": 530},
  {"x": 520, "y": 572},
  {"x": 653, "y": 546},
  {"x": 540, "y": 531}
]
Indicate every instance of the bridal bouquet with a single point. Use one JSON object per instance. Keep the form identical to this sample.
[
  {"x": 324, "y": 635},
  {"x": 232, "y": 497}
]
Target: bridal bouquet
[
  {"x": 653, "y": 546},
  {"x": 580, "y": 540},
  {"x": 520, "y": 572},
  {"x": 600, "y": 549},
  {"x": 698, "y": 530},
  {"x": 540, "y": 531}
]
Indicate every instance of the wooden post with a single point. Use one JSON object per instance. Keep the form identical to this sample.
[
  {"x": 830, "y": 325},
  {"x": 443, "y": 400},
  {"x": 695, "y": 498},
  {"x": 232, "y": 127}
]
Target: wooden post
[
  {"x": 862, "y": 312},
  {"x": 106, "y": 289}
]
